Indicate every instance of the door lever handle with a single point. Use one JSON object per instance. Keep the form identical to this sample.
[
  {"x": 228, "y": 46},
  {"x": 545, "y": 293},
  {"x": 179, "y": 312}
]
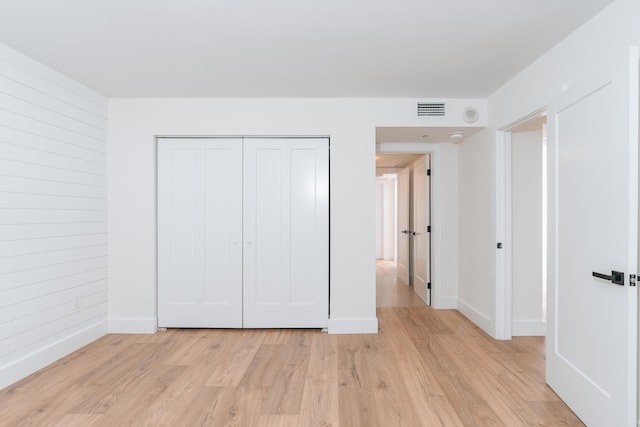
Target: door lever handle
[{"x": 616, "y": 277}]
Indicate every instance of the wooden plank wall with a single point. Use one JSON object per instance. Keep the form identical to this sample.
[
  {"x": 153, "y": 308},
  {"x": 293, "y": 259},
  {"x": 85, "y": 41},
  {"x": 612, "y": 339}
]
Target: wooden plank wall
[{"x": 53, "y": 215}]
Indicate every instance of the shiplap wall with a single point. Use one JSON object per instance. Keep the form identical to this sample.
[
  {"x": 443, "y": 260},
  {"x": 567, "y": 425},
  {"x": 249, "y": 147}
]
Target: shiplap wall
[{"x": 53, "y": 201}]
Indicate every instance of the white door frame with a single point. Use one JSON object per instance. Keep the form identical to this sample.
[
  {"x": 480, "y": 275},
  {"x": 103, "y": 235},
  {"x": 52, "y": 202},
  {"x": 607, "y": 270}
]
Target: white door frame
[
  {"x": 503, "y": 316},
  {"x": 437, "y": 299}
]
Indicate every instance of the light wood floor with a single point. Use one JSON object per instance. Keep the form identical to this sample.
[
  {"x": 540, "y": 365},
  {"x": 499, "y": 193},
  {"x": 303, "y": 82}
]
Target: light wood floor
[
  {"x": 424, "y": 368},
  {"x": 390, "y": 291}
]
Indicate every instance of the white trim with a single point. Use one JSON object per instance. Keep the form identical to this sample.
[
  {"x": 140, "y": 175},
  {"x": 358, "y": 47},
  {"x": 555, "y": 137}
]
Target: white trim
[
  {"x": 364, "y": 325},
  {"x": 632, "y": 262},
  {"x": 503, "y": 308},
  {"x": 21, "y": 368},
  {"x": 133, "y": 325},
  {"x": 435, "y": 150},
  {"x": 448, "y": 303},
  {"x": 529, "y": 328},
  {"x": 481, "y": 320}
]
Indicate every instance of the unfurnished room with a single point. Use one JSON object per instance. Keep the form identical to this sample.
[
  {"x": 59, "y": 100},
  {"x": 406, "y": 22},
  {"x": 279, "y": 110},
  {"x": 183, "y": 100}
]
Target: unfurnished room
[{"x": 297, "y": 213}]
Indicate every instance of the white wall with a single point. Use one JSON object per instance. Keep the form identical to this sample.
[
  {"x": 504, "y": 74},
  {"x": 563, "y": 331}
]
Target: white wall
[
  {"x": 604, "y": 39},
  {"x": 593, "y": 46},
  {"x": 476, "y": 242},
  {"x": 526, "y": 165},
  {"x": 380, "y": 219},
  {"x": 449, "y": 216},
  {"x": 349, "y": 122},
  {"x": 385, "y": 219},
  {"x": 389, "y": 205},
  {"x": 52, "y": 216}
]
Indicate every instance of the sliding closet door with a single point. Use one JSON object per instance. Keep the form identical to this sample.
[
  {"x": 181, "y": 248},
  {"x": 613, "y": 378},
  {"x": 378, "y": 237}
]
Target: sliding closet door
[
  {"x": 200, "y": 232},
  {"x": 286, "y": 232}
]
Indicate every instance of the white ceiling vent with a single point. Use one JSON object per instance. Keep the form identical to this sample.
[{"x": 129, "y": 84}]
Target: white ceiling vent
[{"x": 431, "y": 109}]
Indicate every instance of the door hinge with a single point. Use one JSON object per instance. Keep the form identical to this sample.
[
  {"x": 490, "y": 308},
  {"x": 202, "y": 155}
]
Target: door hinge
[
  {"x": 428, "y": 172},
  {"x": 632, "y": 280},
  {"x": 429, "y": 285},
  {"x": 428, "y": 229}
]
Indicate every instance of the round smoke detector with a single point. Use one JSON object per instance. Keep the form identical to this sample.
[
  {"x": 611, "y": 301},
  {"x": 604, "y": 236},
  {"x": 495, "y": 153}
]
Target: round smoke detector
[{"x": 470, "y": 115}]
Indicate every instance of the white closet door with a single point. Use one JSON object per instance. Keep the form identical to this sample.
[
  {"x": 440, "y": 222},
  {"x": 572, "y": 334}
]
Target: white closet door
[
  {"x": 286, "y": 232},
  {"x": 199, "y": 232}
]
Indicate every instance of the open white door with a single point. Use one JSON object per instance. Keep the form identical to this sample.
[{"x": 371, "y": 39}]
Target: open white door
[
  {"x": 421, "y": 240},
  {"x": 592, "y": 322},
  {"x": 404, "y": 226}
]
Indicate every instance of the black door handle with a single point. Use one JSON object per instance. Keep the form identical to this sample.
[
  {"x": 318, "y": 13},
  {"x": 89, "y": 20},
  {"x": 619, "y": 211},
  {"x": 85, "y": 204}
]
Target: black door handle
[{"x": 617, "y": 277}]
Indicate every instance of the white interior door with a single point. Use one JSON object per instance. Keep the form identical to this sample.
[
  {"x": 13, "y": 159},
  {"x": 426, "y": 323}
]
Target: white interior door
[
  {"x": 592, "y": 323},
  {"x": 199, "y": 232},
  {"x": 286, "y": 235},
  {"x": 404, "y": 226},
  {"x": 421, "y": 241}
]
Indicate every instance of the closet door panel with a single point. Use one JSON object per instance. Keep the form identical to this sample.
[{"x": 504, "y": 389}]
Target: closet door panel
[
  {"x": 265, "y": 226},
  {"x": 199, "y": 232},
  {"x": 286, "y": 232},
  {"x": 307, "y": 304},
  {"x": 221, "y": 291},
  {"x": 303, "y": 216},
  {"x": 178, "y": 287}
]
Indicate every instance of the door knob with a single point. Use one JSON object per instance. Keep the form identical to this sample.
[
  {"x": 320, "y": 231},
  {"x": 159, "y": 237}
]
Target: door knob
[{"x": 616, "y": 277}]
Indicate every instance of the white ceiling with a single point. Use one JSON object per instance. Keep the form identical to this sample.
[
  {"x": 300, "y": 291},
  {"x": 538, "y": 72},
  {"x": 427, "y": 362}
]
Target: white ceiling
[
  {"x": 384, "y": 162},
  {"x": 290, "y": 48},
  {"x": 423, "y": 134}
]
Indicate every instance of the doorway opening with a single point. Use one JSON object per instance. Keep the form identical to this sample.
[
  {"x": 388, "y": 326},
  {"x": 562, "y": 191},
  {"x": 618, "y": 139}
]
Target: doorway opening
[
  {"x": 402, "y": 252},
  {"x": 440, "y": 144},
  {"x": 521, "y": 258}
]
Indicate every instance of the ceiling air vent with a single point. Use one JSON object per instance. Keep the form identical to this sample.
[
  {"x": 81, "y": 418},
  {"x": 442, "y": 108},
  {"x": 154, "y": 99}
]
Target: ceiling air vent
[{"x": 431, "y": 109}]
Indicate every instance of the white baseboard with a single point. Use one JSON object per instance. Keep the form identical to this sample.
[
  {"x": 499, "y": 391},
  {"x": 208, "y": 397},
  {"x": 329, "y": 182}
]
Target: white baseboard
[
  {"x": 367, "y": 325},
  {"x": 528, "y": 328},
  {"x": 21, "y": 368},
  {"x": 479, "y": 319},
  {"x": 133, "y": 325},
  {"x": 445, "y": 303}
]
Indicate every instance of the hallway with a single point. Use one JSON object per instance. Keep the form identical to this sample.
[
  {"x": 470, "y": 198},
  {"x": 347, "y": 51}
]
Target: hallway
[{"x": 391, "y": 292}]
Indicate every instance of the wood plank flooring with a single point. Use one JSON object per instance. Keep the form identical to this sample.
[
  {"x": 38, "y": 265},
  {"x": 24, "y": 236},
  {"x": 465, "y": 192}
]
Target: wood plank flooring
[
  {"x": 425, "y": 368},
  {"x": 391, "y": 291}
]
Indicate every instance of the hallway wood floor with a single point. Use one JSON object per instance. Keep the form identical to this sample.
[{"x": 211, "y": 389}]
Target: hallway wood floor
[
  {"x": 390, "y": 291},
  {"x": 424, "y": 368}
]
